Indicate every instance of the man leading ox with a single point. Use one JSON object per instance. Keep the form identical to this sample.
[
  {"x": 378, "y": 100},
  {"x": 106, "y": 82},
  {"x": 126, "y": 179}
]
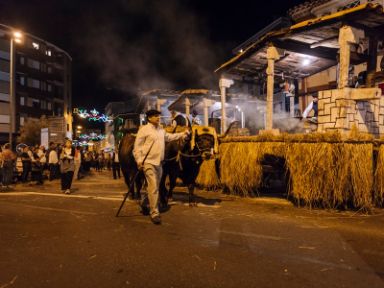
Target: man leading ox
[{"x": 148, "y": 151}]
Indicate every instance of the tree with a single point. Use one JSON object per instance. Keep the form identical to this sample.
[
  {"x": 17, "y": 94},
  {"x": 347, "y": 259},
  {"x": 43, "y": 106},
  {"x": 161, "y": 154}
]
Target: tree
[{"x": 30, "y": 132}]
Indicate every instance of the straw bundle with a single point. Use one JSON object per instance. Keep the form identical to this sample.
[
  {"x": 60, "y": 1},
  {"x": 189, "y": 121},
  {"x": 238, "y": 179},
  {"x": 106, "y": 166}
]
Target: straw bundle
[
  {"x": 379, "y": 178},
  {"x": 331, "y": 175},
  {"x": 240, "y": 166},
  {"x": 208, "y": 177},
  {"x": 310, "y": 167}
]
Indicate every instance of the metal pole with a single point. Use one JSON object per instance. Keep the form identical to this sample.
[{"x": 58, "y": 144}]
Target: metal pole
[{"x": 11, "y": 91}]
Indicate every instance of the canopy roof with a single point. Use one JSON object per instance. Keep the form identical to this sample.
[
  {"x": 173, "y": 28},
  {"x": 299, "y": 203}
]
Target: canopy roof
[
  {"x": 195, "y": 97},
  {"x": 315, "y": 40}
]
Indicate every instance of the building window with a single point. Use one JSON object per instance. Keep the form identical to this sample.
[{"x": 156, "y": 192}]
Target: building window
[
  {"x": 43, "y": 67},
  {"x": 49, "y": 69},
  {"x": 36, "y": 103},
  {"x": 21, "y": 121},
  {"x": 22, "y": 60},
  {"x": 49, "y": 87},
  {"x": 43, "y": 86},
  {"x": 48, "y": 52},
  {"x": 22, "y": 101},
  {"x": 21, "y": 79},
  {"x": 33, "y": 64},
  {"x": 4, "y": 119},
  {"x": 49, "y": 106},
  {"x": 35, "y": 45},
  {"x": 33, "y": 83}
]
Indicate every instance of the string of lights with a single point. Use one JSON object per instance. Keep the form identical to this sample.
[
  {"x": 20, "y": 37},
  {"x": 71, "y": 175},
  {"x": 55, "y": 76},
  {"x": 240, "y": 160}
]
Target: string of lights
[{"x": 92, "y": 115}]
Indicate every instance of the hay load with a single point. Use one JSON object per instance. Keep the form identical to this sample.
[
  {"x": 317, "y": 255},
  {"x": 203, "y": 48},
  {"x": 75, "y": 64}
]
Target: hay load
[
  {"x": 331, "y": 175},
  {"x": 240, "y": 165},
  {"x": 324, "y": 170},
  {"x": 379, "y": 178},
  {"x": 208, "y": 177}
]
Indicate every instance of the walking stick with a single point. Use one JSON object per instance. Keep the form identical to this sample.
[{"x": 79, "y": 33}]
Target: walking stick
[{"x": 131, "y": 187}]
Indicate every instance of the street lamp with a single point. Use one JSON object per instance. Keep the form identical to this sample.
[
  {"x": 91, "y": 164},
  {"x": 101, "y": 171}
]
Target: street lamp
[{"x": 16, "y": 36}]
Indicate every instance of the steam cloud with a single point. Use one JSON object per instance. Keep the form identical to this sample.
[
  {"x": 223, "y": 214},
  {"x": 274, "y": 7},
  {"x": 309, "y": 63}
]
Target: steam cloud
[{"x": 149, "y": 44}]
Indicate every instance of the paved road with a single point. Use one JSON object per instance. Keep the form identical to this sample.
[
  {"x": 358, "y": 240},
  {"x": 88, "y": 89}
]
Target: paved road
[{"x": 49, "y": 239}]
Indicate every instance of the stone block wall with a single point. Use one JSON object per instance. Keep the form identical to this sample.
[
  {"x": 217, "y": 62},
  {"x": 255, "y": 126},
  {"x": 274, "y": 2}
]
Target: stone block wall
[{"x": 341, "y": 109}]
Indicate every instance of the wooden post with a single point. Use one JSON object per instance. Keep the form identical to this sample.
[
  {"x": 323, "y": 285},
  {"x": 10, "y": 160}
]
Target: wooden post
[
  {"x": 207, "y": 103},
  {"x": 272, "y": 55},
  {"x": 347, "y": 36},
  {"x": 224, "y": 84},
  {"x": 187, "y": 107}
]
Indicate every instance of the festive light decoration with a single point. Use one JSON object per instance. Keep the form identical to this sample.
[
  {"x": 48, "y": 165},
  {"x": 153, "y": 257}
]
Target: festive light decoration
[
  {"x": 92, "y": 136},
  {"x": 92, "y": 115}
]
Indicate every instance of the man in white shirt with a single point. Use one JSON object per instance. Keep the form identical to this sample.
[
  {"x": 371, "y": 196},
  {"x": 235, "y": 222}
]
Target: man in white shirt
[
  {"x": 53, "y": 162},
  {"x": 149, "y": 153}
]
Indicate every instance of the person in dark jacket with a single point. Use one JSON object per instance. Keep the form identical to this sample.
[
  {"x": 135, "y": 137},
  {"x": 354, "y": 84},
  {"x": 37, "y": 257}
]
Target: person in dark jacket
[{"x": 67, "y": 166}]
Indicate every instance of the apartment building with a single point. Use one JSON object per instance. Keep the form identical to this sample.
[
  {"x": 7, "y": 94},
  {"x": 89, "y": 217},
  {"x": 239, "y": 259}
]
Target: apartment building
[{"x": 40, "y": 74}]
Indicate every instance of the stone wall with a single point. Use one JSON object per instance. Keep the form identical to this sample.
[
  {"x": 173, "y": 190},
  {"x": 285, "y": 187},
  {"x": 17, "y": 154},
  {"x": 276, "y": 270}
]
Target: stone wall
[{"x": 342, "y": 109}]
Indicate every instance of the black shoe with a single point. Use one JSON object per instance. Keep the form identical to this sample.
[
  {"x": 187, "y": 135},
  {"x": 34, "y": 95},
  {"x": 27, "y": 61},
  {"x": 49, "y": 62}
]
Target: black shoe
[
  {"x": 156, "y": 220},
  {"x": 144, "y": 210}
]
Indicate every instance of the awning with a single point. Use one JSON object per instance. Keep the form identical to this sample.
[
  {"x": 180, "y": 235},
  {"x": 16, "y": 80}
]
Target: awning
[{"x": 308, "y": 47}]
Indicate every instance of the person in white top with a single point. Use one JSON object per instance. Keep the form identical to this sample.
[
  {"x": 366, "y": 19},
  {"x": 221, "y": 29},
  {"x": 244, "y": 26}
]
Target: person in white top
[
  {"x": 115, "y": 165},
  {"x": 77, "y": 161},
  {"x": 149, "y": 153},
  {"x": 53, "y": 162},
  {"x": 312, "y": 106}
]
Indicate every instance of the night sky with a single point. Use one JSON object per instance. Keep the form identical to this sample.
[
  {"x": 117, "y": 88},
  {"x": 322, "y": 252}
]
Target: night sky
[{"x": 119, "y": 46}]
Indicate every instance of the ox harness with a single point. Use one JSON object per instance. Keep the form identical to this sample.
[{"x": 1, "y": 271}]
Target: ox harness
[{"x": 204, "y": 139}]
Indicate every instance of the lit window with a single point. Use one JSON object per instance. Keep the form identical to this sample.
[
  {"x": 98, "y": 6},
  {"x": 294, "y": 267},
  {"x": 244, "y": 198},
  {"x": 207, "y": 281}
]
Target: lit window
[
  {"x": 4, "y": 119},
  {"x": 21, "y": 121},
  {"x": 22, "y": 80},
  {"x": 48, "y": 52},
  {"x": 36, "y": 45},
  {"x": 22, "y": 99}
]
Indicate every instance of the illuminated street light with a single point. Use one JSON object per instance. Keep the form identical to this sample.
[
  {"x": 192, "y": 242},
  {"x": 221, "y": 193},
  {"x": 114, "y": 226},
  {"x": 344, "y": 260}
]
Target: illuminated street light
[
  {"x": 17, "y": 37},
  {"x": 79, "y": 127}
]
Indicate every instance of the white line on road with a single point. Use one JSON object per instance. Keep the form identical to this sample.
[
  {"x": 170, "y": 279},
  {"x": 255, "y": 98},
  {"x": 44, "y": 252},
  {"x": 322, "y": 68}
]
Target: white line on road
[
  {"x": 62, "y": 195},
  {"x": 260, "y": 236},
  {"x": 54, "y": 209}
]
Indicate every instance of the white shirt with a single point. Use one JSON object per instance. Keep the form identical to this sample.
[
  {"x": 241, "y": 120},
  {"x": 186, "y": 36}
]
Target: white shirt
[
  {"x": 53, "y": 157},
  {"x": 152, "y": 139},
  {"x": 307, "y": 110},
  {"x": 41, "y": 155}
]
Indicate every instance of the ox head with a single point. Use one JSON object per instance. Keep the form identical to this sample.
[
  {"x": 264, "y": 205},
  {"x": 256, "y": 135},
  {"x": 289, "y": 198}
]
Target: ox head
[{"x": 204, "y": 140}]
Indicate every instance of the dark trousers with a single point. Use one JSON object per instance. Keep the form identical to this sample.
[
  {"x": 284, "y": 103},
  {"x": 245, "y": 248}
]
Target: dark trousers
[
  {"x": 7, "y": 174},
  {"x": 53, "y": 171},
  {"x": 116, "y": 169},
  {"x": 66, "y": 180},
  {"x": 37, "y": 175},
  {"x": 27, "y": 165}
]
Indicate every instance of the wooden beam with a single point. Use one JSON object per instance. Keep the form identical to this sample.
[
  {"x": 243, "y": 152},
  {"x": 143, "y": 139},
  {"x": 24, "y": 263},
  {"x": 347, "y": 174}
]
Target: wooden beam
[{"x": 298, "y": 47}]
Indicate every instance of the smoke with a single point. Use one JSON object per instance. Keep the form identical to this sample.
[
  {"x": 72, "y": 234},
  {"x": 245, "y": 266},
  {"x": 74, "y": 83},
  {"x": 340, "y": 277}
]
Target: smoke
[
  {"x": 255, "y": 113},
  {"x": 148, "y": 44}
]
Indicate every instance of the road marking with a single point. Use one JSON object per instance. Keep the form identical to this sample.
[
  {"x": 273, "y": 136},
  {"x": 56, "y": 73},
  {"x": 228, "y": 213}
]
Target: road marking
[
  {"x": 253, "y": 235},
  {"x": 54, "y": 209},
  {"x": 63, "y": 195}
]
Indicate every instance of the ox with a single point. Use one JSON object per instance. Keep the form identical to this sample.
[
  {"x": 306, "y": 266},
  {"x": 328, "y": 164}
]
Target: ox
[{"x": 182, "y": 160}]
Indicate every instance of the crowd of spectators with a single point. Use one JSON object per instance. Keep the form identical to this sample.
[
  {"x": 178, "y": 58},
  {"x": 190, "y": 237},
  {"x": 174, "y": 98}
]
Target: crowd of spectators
[{"x": 36, "y": 164}]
